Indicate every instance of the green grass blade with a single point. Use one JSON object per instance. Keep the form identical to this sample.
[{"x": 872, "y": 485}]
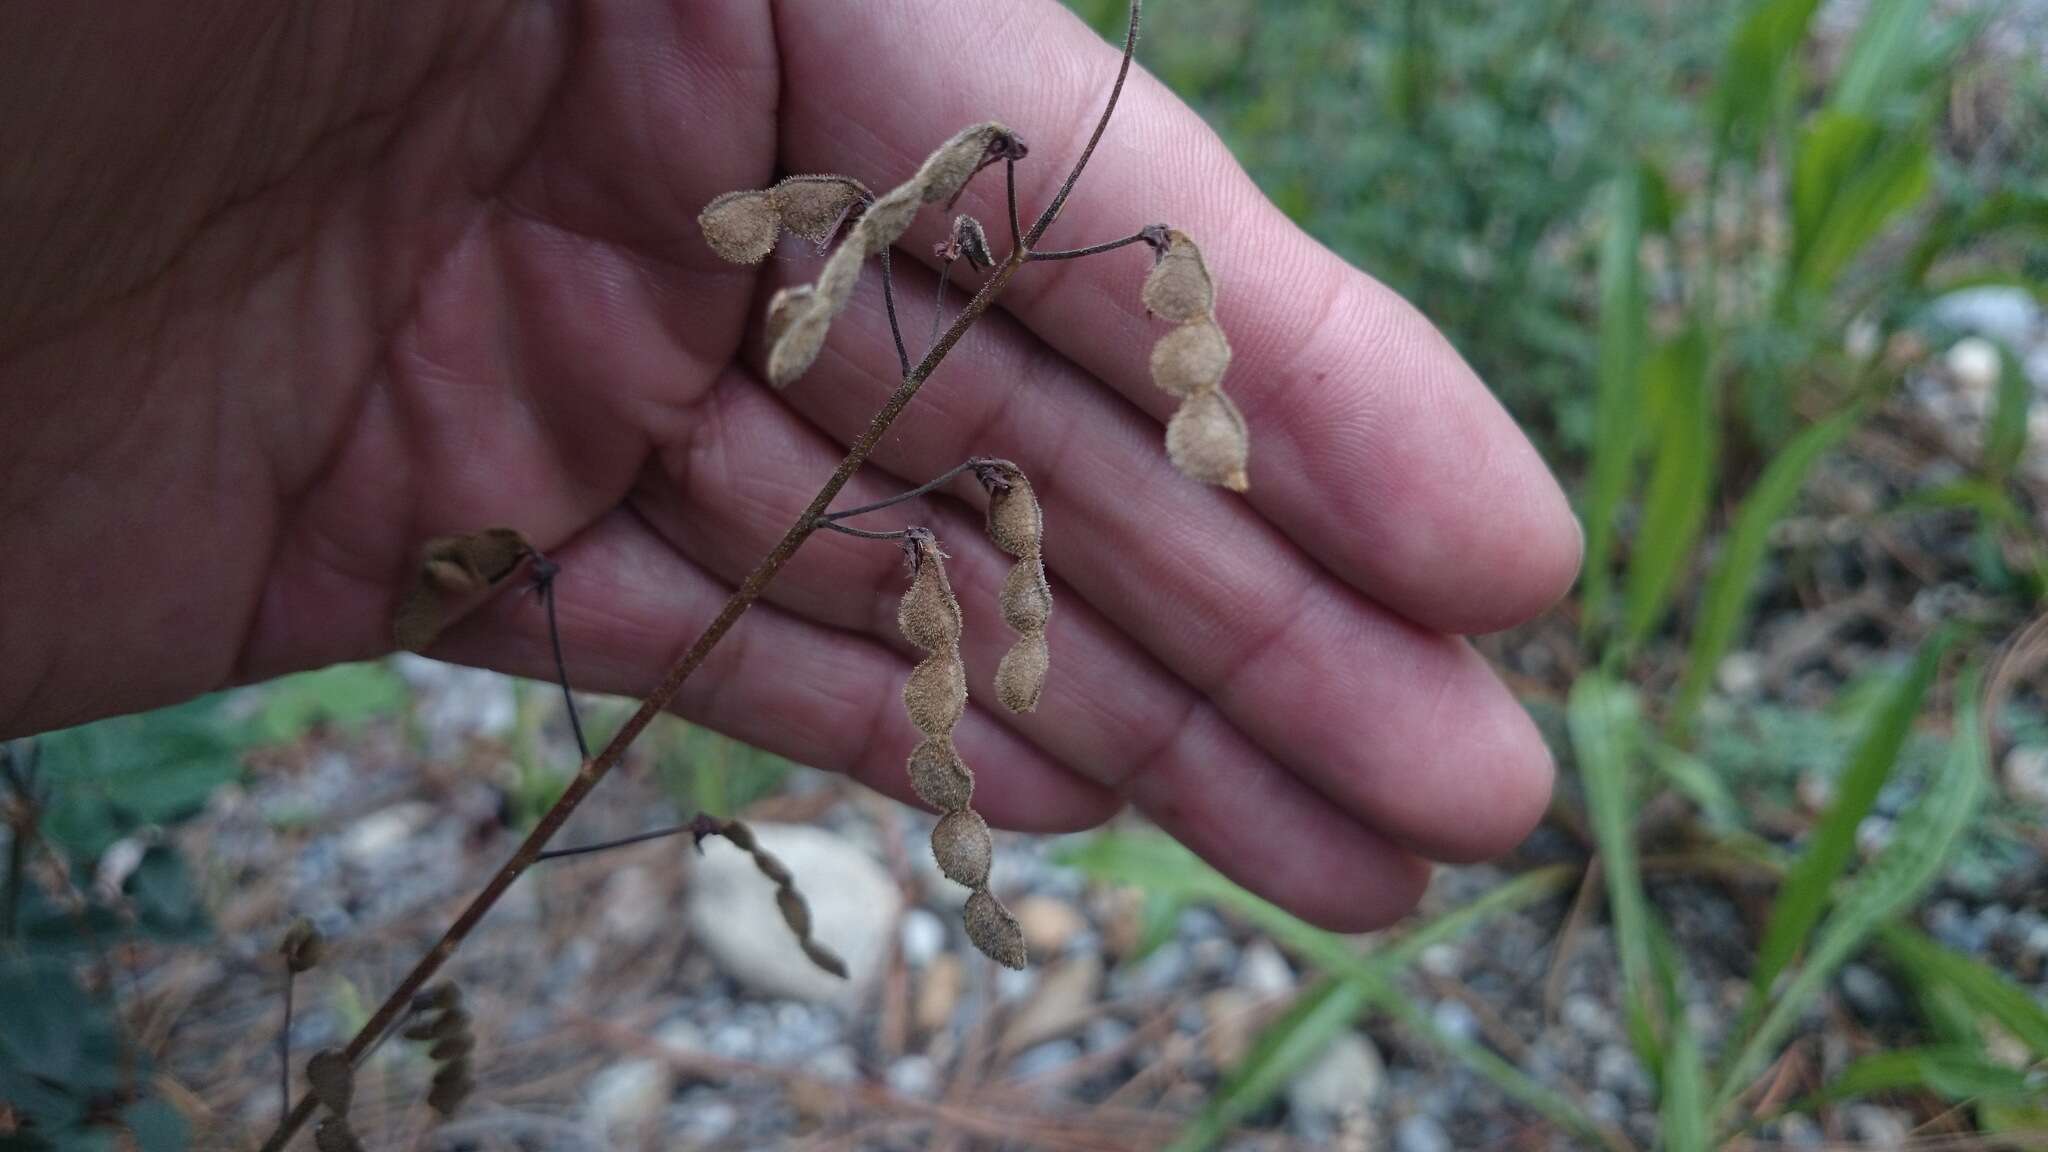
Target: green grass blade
[
  {"x": 1697, "y": 781},
  {"x": 1759, "y": 69},
  {"x": 1888, "y": 183},
  {"x": 1725, "y": 605},
  {"x": 1979, "y": 987},
  {"x": 1828, "y": 851},
  {"x": 1921, "y": 841},
  {"x": 1881, "y": 58},
  {"x": 1951, "y": 1073},
  {"x": 1617, "y": 405},
  {"x": 1682, "y": 1104},
  {"x": 1606, "y": 735},
  {"x": 2005, "y": 441},
  {"x": 1285, "y": 1047},
  {"x": 1681, "y": 480}
]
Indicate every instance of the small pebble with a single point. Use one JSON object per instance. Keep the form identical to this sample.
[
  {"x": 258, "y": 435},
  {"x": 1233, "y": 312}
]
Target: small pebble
[
  {"x": 1454, "y": 1020},
  {"x": 913, "y": 1076},
  {"x": 923, "y": 937},
  {"x": 1421, "y": 1134},
  {"x": 1263, "y": 971}
]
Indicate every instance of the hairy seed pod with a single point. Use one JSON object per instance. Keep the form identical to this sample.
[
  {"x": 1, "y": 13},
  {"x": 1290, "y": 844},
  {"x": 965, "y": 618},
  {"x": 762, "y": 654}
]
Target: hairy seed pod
[
  {"x": 438, "y": 998},
  {"x": 460, "y": 1044},
  {"x": 824, "y": 958},
  {"x": 1014, "y": 520},
  {"x": 1026, "y": 598},
  {"x": 452, "y": 1085},
  {"x": 939, "y": 776},
  {"x": 771, "y": 866},
  {"x": 795, "y": 911},
  {"x": 741, "y": 837},
  {"x": 956, "y": 161},
  {"x": 813, "y": 206},
  {"x": 963, "y": 847},
  {"x": 452, "y": 569},
  {"x": 972, "y": 241},
  {"x": 993, "y": 930},
  {"x": 439, "y": 1025},
  {"x": 1020, "y": 677},
  {"x": 1207, "y": 441},
  {"x": 929, "y": 615},
  {"x": 784, "y": 309},
  {"x": 936, "y": 693},
  {"x": 1178, "y": 289},
  {"x": 303, "y": 947},
  {"x": 333, "y": 1079},
  {"x": 801, "y": 334},
  {"x": 741, "y": 226},
  {"x": 886, "y": 220},
  {"x": 332, "y": 1134},
  {"x": 1192, "y": 358}
]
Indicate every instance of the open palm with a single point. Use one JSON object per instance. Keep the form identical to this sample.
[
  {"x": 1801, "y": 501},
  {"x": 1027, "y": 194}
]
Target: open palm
[{"x": 291, "y": 290}]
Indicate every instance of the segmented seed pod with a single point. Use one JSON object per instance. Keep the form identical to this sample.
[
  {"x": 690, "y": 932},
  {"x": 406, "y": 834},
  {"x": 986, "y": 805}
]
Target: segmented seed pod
[
  {"x": 1206, "y": 438},
  {"x": 1178, "y": 289},
  {"x": 438, "y": 998},
  {"x": 970, "y": 240},
  {"x": 935, "y": 695},
  {"x": 813, "y": 207},
  {"x": 451, "y": 1086},
  {"x": 333, "y": 1079},
  {"x": 963, "y": 847},
  {"x": 303, "y": 947},
  {"x": 1017, "y": 525},
  {"x": 1191, "y": 359},
  {"x": 453, "y": 569},
  {"x": 741, "y": 227},
  {"x": 796, "y": 911},
  {"x": 993, "y": 930},
  {"x": 938, "y": 775},
  {"x": 332, "y": 1134}
]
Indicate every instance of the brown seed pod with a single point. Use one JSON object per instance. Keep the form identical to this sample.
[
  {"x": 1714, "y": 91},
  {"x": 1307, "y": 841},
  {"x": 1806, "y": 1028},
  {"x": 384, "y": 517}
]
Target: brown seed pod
[
  {"x": 438, "y": 998},
  {"x": 333, "y": 1134},
  {"x": 824, "y": 958},
  {"x": 801, "y": 333},
  {"x": 814, "y": 206},
  {"x": 795, "y": 911},
  {"x": 1020, "y": 677},
  {"x": 993, "y": 930},
  {"x": 939, "y": 776},
  {"x": 769, "y": 865},
  {"x": 741, "y": 226},
  {"x": 1026, "y": 598},
  {"x": 1190, "y": 359},
  {"x": 460, "y": 1044},
  {"x": 956, "y": 161},
  {"x": 785, "y": 308},
  {"x": 451, "y": 1086},
  {"x": 303, "y": 947},
  {"x": 333, "y": 1079},
  {"x": 1208, "y": 442},
  {"x": 453, "y": 569},
  {"x": 1178, "y": 289},
  {"x": 1014, "y": 520},
  {"x": 885, "y": 221},
  {"x": 439, "y": 1025},
  {"x": 929, "y": 615},
  {"x": 936, "y": 693},
  {"x": 971, "y": 240},
  {"x": 963, "y": 847}
]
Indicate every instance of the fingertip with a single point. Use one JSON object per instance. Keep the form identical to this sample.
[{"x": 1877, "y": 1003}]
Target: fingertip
[{"x": 1495, "y": 767}]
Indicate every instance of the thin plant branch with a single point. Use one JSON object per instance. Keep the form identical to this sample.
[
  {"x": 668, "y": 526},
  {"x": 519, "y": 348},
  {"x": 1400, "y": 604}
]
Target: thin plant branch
[
  {"x": 284, "y": 1044},
  {"x": 931, "y": 485},
  {"x": 1151, "y": 234},
  {"x": 1010, "y": 191},
  {"x": 1116, "y": 91},
  {"x": 847, "y": 530},
  {"x": 594, "y": 770},
  {"x": 895, "y": 329},
  {"x": 544, "y": 573},
  {"x": 621, "y": 842},
  {"x": 939, "y": 305}
]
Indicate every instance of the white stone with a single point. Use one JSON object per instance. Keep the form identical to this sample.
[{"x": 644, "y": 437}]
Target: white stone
[
  {"x": 1263, "y": 971},
  {"x": 1975, "y": 363},
  {"x": 1875, "y": 1127},
  {"x": 375, "y": 836},
  {"x": 1347, "y": 1076},
  {"x": 1740, "y": 674},
  {"x": 624, "y": 1100},
  {"x": 1421, "y": 1133},
  {"x": 2026, "y": 774},
  {"x": 732, "y": 913},
  {"x": 913, "y": 1076},
  {"x": 923, "y": 937}
]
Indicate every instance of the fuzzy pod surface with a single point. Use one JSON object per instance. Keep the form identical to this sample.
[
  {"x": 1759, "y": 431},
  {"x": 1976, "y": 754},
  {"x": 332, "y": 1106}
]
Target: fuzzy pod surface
[{"x": 1206, "y": 438}]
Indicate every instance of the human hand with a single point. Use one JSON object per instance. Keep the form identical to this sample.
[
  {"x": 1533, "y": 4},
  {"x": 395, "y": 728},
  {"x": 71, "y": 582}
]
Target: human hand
[{"x": 416, "y": 269}]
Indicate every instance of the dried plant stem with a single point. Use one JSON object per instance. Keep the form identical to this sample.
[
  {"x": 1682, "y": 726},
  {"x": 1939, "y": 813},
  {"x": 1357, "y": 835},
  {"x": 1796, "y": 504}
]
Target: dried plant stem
[
  {"x": 544, "y": 573},
  {"x": 1092, "y": 249},
  {"x": 808, "y": 521},
  {"x": 284, "y": 1044},
  {"x": 936, "y": 482}
]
